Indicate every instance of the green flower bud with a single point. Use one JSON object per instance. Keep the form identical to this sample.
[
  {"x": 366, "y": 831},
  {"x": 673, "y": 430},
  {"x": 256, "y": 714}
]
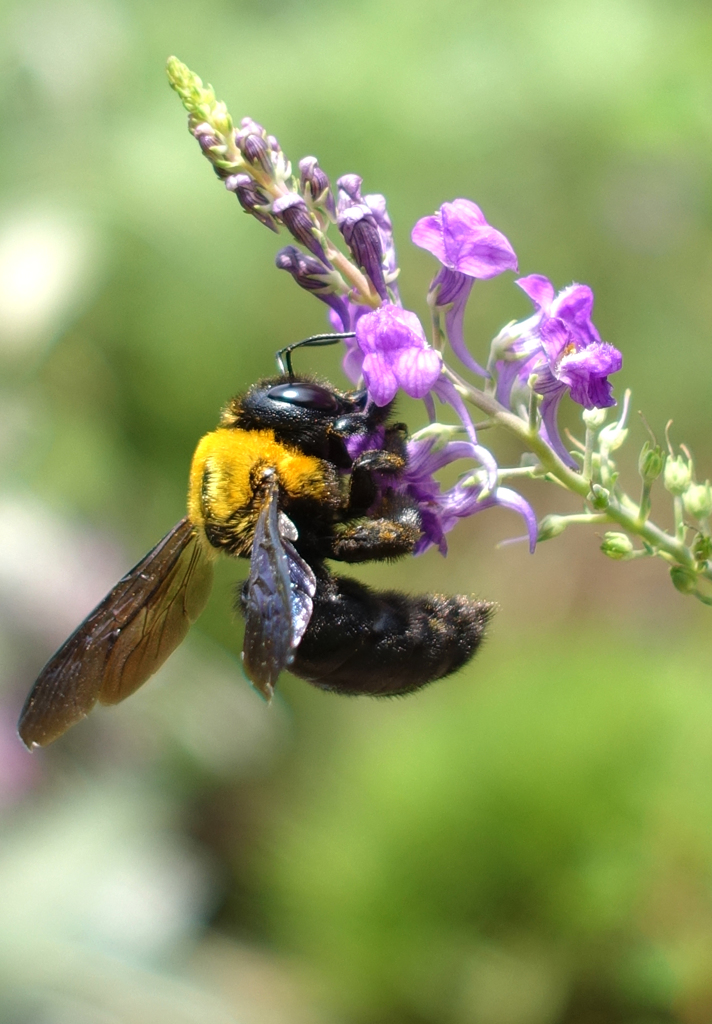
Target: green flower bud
[
  {"x": 599, "y": 498},
  {"x": 551, "y": 526},
  {"x": 612, "y": 436},
  {"x": 683, "y": 579},
  {"x": 650, "y": 462},
  {"x": 702, "y": 548},
  {"x": 594, "y": 418},
  {"x": 697, "y": 500},
  {"x": 617, "y": 545},
  {"x": 677, "y": 475},
  {"x": 196, "y": 97}
]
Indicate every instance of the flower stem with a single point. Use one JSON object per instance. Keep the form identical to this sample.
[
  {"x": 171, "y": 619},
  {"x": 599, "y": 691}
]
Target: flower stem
[{"x": 624, "y": 513}]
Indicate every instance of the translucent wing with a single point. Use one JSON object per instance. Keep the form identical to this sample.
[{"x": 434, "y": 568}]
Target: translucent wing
[
  {"x": 278, "y": 602},
  {"x": 125, "y": 639}
]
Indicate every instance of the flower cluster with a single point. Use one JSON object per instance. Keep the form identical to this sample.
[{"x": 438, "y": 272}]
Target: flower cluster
[{"x": 343, "y": 253}]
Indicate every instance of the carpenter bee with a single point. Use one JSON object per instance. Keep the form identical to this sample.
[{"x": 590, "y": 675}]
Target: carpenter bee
[{"x": 275, "y": 483}]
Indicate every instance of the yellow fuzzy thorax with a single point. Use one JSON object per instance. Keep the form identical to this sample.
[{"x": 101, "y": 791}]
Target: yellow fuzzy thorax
[{"x": 224, "y": 469}]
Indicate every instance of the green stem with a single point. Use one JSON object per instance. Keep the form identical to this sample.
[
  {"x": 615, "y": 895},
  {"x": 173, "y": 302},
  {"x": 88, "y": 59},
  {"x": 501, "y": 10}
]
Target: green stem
[
  {"x": 627, "y": 516},
  {"x": 588, "y": 453}
]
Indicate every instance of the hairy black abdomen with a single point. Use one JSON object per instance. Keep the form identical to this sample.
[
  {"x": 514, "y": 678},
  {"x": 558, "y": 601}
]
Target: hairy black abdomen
[{"x": 382, "y": 643}]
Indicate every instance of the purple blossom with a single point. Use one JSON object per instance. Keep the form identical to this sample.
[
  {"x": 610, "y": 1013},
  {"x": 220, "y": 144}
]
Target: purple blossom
[
  {"x": 396, "y": 354},
  {"x": 252, "y": 198},
  {"x": 312, "y": 275},
  {"x": 292, "y": 211},
  {"x": 315, "y": 185},
  {"x": 391, "y": 352},
  {"x": 468, "y": 248},
  {"x": 360, "y": 231},
  {"x": 561, "y": 346},
  {"x": 440, "y": 510},
  {"x": 377, "y": 205},
  {"x": 251, "y": 140}
]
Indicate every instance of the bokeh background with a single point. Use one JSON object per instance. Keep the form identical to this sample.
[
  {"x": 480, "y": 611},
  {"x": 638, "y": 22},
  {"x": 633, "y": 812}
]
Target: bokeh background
[{"x": 527, "y": 843}]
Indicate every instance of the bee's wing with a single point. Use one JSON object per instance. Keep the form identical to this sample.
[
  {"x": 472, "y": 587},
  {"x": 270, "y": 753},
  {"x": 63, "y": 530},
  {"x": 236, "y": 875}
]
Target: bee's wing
[
  {"x": 279, "y": 596},
  {"x": 125, "y": 639}
]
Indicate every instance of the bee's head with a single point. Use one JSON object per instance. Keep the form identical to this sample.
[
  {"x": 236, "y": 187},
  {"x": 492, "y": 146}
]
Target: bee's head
[{"x": 306, "y": 413}]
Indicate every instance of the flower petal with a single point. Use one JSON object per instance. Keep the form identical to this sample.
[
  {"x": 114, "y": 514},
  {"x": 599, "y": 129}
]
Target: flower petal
[
  {"x": 539, "y": 289},
  {"x": 459, "y": 235},
  {"x": 550, "y": 428},
  {"x": 417, "y": 370},
  {"x": 380, "y": 379},
  {"x": 574, "y": 305},
  {"x": 554, "y": 337},
  {"x": 585, "y": 373},
  {"x": 428, "y": 234}
]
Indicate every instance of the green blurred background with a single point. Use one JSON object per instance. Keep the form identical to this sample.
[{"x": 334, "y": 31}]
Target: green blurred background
[{"x": 528, "y": 843}]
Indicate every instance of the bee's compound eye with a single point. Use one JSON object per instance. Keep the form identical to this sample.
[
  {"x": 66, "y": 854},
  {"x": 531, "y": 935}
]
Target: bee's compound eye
[{"x": 307, "y": 396}]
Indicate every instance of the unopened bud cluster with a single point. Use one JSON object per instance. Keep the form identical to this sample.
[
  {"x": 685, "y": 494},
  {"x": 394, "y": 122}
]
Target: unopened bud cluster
[{"x": 252, "y": 165}]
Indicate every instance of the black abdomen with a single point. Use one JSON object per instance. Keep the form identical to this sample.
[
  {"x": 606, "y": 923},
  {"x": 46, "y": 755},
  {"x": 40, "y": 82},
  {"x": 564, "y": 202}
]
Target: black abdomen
[{"x": 382, "y": 643}]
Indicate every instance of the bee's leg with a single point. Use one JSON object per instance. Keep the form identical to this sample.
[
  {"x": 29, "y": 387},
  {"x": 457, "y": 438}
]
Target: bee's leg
[
  {"x": 361, "y": 641},
  {"x": 363, "y": 488},
  {"x": 389, "y": 532},
  {"x": 389, "y": 459}
]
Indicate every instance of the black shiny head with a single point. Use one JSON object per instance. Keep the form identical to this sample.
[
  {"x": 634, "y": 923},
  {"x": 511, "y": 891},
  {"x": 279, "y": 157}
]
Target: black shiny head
[{"x": 306, "y": 414}]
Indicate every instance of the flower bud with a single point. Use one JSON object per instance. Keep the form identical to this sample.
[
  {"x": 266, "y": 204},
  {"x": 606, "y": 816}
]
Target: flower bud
[
  {"x": 551, "y": 526},
  {"x": 702, "y": 548},
  {"x": 617, "y": 545},
  {"x": 599, "y": 498},
  {"x": 315, "y": 277},
  {"x": 677, "y": 475},
  {"x": 206, "y": 137},
  {"x": 252, "y": 142},
  {"x": 349, "y": 190},
  {"x": 650, "y": 462},
  {"x": 360, "y": 231},
  {"x": 683, "y": 579},
  {"x": 315, "y": 185},
  {"x": 292, "y": 211},
  {"x": 612, "y": 436},
  {"x": 251, "y": 198},
  {"x": 594, "y": 418},
  {"x": 697, "y": 500}
]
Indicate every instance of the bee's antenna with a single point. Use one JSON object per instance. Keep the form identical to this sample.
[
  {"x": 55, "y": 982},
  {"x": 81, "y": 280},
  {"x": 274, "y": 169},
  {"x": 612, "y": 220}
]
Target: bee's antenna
[{"x": 284, "y": 356}]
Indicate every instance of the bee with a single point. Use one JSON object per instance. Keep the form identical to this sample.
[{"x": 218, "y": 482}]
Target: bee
[{"x": 275, "y": 483}]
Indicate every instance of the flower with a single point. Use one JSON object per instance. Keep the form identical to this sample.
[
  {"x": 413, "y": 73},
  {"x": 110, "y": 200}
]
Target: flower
[
  {"x": 440, "y": 511},
  {"x": 312, "y": 275},
  {"x": 358, "y": 225},
  {"x": 292, "y": 211},
  {"x": 396, "y": 354},
  {"x": 561, "y": 347},
  {"x": 468, "y": 248}
]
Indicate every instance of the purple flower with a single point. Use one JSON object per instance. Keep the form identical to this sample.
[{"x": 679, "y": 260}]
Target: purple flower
[
  {"x": 396, "y": 354},
  {"x": 439, "y": 510},
  {"x": 315, "y": 185},
  {"x": 468, "y": 248},
  {"x": 377, "y": 205},
  {"x": 561, "y": 346},
  {"x": 292, "y": 210},
  {"x": 312, "y": 275},
  {"x": 252, "y": 198},
  {"x": 251, "y": 140},
  {"x": 360, "y": 231}
]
